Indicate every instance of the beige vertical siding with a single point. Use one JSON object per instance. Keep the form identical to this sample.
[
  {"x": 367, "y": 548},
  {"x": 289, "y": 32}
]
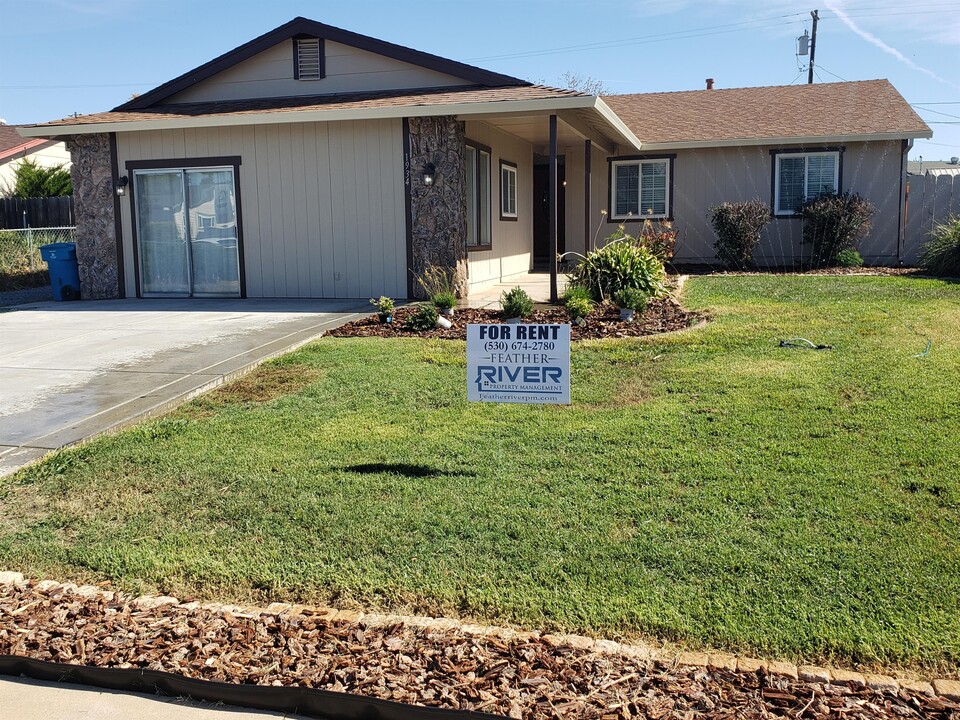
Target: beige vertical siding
[
  {"x": 322, "y": 203},
  {"x": 512, "y": 241},
  {"x": 576, "y": 240},
  {"x": 708, "y": 176},
  {"x": 348, "y": 69}
]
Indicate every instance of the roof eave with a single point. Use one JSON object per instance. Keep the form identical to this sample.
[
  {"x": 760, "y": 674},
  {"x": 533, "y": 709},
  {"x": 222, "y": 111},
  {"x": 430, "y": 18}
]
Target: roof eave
[
  {"x": 315, "y": 115},
  {"x": 795, "y": 140}
]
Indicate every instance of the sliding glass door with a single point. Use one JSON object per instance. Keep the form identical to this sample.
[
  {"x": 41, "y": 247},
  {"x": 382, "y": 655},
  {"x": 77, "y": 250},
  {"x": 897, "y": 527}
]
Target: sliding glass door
[{"x": 187, "y": 232}]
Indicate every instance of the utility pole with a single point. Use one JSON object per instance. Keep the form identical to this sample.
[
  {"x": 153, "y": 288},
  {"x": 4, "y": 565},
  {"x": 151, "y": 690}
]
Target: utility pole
[{"x": 815, "y": 14}]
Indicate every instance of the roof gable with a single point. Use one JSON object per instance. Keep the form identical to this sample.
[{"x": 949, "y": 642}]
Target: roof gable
[
  {"x": 761, "y": 115},
  {"x": 464, "y": 74}
]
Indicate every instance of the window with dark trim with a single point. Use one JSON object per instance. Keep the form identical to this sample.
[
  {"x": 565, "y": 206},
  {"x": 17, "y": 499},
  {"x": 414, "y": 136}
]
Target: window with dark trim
[
  {"x": 800, "y": 176},
  {"x": 508, "y": 190},
  {"x": 477, "y": 188},
  {"x": 308, "y": 60},
  {"x": 641, "y": 188}
]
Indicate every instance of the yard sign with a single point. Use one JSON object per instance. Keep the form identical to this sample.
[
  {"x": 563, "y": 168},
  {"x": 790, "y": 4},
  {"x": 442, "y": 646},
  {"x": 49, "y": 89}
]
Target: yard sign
[{"x": 518, "y": 363}]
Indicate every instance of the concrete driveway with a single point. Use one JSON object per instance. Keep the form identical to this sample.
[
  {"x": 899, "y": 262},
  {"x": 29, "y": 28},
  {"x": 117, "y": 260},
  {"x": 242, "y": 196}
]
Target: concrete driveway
[{"x": 70, "y": 371}]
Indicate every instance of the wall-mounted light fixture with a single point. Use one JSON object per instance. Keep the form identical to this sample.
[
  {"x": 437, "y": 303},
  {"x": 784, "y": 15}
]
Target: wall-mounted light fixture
[
  {"x": 122, "y": 183},
  {"x": 429, "y": 171}
]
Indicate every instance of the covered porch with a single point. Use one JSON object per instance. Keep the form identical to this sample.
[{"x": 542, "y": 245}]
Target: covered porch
[{"x": 546, "y": 187}]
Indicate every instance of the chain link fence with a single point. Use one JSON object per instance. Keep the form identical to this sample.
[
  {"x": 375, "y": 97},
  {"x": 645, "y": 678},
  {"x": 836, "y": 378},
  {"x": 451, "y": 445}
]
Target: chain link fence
[{"x": 20, "y": 263}]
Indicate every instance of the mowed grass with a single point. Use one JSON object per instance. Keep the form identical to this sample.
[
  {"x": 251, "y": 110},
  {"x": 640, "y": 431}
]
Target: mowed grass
[{"x": 708, "y": 487}]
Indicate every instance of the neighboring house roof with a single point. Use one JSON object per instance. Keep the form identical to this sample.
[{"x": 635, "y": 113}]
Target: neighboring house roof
[
  {"x": 14, "y": 146},
  {"x": 302, "y": 26},
  {"x": 867, "y": 109},
  {"x": 932, "y": 167}
]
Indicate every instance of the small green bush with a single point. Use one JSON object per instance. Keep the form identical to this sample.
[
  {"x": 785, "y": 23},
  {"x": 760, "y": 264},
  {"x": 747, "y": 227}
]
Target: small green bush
[
  {"x": 849, "y": 257},
  {"x": 631, "y": 299},
  {"x": 424, "y": 318},
  {"x": 941, "y": 256},
  {"x": 619, "y": 264},
  {"x": 832, "y": 223},
  {"x": 30, "y": 180},
  {"x": 444, "y": 300},
  {"x": 384, "y": 306},
  {"x": 579, "y": 307},
  {"x": 738, "y": 227},
  {"x": 516, "y": 303},
  {"x": 574, "y": 291}
]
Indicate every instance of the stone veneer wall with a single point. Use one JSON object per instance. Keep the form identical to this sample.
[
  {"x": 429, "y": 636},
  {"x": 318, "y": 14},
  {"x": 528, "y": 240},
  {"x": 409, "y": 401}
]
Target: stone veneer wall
[
  {"x": 93, "y": 210},
  {"x": 438, "y": 214}
]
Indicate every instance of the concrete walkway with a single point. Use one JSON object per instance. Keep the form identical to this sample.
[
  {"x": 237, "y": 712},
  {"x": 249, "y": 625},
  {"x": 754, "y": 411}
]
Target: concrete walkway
[
  {"x": 70, "y": 371},
  {"x": 26, "y": 699},
  {"x": 537, "y": 285}
]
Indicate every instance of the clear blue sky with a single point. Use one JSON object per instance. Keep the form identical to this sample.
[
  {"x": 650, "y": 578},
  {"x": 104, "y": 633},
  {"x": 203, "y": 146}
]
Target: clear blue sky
[{"x": 58, "y": 57}]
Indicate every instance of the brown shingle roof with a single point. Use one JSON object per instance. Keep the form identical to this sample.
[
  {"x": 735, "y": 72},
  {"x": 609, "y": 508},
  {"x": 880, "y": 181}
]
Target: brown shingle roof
[
  {"x": 13, "y": 145},
  {"x": 351, "y": 101},
  {"x": 865, "y": 107}
]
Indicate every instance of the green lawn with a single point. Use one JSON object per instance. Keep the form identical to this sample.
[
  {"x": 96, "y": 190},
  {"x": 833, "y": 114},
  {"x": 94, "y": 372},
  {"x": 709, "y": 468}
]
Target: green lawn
[{"x": 708, "y": 487}]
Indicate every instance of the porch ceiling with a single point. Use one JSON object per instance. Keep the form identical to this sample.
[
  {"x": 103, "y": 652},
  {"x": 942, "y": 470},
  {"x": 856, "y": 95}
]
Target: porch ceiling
[{"x": 573, "y": 128}]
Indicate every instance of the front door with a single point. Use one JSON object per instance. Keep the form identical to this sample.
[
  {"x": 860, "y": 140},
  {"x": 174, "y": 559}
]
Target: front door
[
  {"x": 541, "y": 212},
  {"x": 187, "y": 237}
]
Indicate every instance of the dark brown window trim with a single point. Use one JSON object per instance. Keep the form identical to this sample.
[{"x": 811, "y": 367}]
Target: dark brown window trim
[
  {"x": 516, "y": 170},
  {"x": 480, "y": 147},
  {"x": 296, "y": 55},
  {"x": 672, "y": 157},
  {"x": 792, "y": 151},
  {"x": 186, "y": 164}
]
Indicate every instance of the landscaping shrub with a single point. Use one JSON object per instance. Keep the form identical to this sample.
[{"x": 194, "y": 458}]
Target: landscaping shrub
[
  {"x": 659, "y": 238},
  {"x": 579, "y": 307},
  {"x": 444, "y": 300},
  {"x": 424, "y": 318},
  {"x": 384, "y": 306},
  {"x": 621, "y": 263},
  {"x": 516, "y": 303},
  {"x": 738, "y": 227},
  {"x": 574, "y": 291},
  {"x": 832, "y": 223},
  {"x": 941, "y": 256},
  {"x": 631, "y": 299},
  {"x": 437, "y": 281},
  {"x": 849, "y": 257}
]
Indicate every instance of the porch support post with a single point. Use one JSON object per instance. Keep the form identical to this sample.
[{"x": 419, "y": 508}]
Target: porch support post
[
  {"x": 553, "y": 209},
  {"x": 587, "y": 179}
]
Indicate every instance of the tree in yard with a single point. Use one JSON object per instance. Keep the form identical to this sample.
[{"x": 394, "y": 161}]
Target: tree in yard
[
  {"x": 584, "y": 84},
  {"x": 31, "y": 180}
]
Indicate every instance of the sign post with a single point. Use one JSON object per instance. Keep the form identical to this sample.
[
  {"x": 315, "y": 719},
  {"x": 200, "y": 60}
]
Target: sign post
[{"x": 518, "y": 364}]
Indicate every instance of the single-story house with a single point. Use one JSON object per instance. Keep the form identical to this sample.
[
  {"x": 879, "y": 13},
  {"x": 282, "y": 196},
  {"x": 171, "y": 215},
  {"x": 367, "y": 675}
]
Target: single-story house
[
  {"x": 14, "y": 149},
  {"x": 316, "y": 162}
]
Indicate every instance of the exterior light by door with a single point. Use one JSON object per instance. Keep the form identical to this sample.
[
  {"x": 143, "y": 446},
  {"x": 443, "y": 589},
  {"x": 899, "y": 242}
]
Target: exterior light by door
[
  {"x": 122, "y": 183},
  {"x": 428, "y": 174}
]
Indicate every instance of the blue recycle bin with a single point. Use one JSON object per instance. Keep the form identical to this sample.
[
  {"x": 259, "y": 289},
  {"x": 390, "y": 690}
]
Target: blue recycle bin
[{"x": 61, "y": 259}]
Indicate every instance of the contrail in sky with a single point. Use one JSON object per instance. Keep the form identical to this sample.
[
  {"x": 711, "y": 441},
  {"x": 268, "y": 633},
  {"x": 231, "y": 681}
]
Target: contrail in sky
[{"x": 874, "y": 40}]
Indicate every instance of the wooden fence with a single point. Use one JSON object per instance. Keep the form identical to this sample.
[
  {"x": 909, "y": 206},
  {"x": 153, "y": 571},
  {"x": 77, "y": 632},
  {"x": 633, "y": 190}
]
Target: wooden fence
[
  {"x": 16, "y": 213},
  {"x": 931, "y": 199}
]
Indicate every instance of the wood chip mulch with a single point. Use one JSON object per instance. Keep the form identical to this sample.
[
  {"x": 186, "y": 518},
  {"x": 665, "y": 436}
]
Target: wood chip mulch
[
  {"x": 660, "y": 316},
  {"x": 520, "y": 677}
]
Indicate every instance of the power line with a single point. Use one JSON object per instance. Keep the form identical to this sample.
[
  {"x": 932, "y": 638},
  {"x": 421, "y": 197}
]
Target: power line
[
  {"x": 659, "y": 37},
  {"x": 938, "y": 112},
  {"x": 937, "y": 103},
  {"x": 821, "y": 67}
]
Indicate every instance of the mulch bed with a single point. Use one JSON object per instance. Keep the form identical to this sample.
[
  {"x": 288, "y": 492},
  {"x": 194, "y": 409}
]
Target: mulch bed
[
  {"x": 521, "y": 677},
  {"x": 660, "y": 316}
]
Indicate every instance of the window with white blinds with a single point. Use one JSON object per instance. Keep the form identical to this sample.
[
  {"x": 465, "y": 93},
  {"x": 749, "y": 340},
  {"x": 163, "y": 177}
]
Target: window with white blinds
[
  {"x": 641, "y": 188},
  {"x": 802, "y": 176}
]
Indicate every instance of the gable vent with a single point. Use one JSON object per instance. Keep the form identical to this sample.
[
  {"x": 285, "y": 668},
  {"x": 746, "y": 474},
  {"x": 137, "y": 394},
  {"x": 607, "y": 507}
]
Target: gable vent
[{"x": 308, "y": 59}]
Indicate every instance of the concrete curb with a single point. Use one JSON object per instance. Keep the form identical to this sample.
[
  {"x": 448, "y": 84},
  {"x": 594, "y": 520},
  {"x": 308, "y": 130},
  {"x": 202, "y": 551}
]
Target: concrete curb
[{"x": 942, "y": 687}]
